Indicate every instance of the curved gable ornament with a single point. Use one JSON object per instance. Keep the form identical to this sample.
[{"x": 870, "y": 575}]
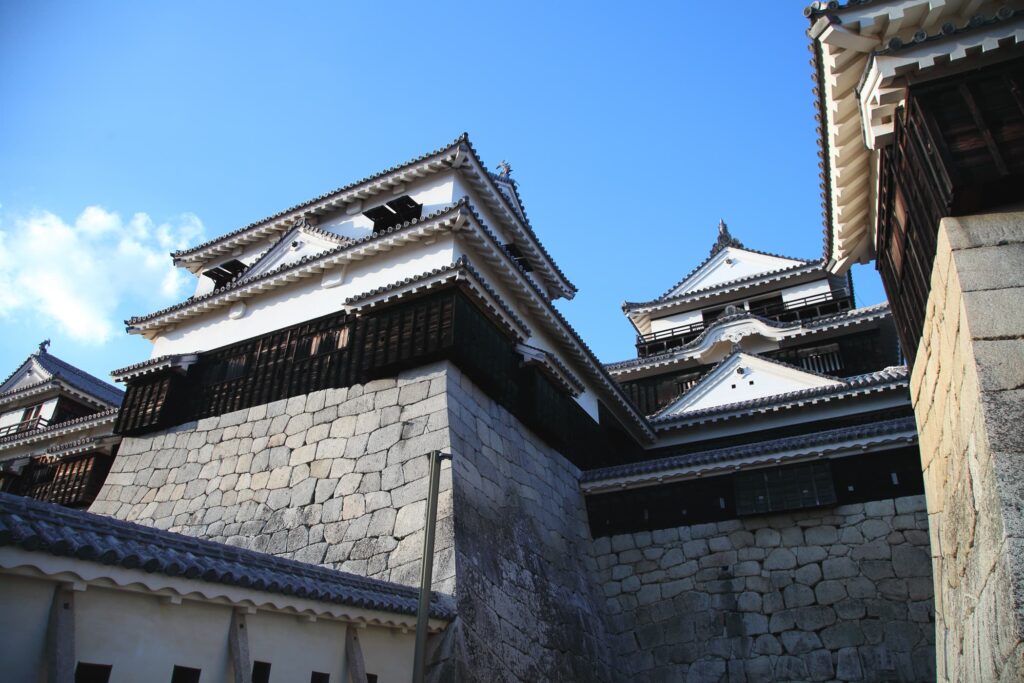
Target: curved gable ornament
[{"x": 735, "y": 330}]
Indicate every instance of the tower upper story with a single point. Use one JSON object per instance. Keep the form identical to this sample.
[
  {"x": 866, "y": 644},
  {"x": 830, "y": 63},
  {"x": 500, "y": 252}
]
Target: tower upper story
[
  {"x": 744, "y": 301},
  {"x": 324, "y": 283}
]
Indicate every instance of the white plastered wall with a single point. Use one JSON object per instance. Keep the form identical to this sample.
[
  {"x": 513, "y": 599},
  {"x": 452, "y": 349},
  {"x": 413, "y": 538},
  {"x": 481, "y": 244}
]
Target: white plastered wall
[
  {"x": 143, "y": 637},
  {"x": 434, "y": 193},
  {"x": 304, "y": 300},
  {"x": 805, "y": 290},
  {"x": 12, "y": 417},
  {"x": 676, "y": 320}
]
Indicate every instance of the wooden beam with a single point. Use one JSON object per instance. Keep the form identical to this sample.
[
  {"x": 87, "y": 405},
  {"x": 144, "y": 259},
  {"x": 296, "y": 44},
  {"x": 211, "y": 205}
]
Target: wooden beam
[
  {"x": 986, "y": 133},
  {"x": 354, "y": 664},
  {"x": 60, "y": 637},
  {"x": 238, "y": 648}
]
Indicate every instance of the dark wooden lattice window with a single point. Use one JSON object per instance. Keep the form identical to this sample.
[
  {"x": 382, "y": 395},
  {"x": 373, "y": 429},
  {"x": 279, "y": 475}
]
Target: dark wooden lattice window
[{"x": 784, "y": 488}]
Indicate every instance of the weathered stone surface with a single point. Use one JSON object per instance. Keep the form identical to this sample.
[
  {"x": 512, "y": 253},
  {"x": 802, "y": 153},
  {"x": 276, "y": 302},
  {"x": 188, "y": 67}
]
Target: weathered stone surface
[
  {"x": 796, "y": 610},
  {"x": 763, "y": 598},
  {"x": 967, "y": 393}
]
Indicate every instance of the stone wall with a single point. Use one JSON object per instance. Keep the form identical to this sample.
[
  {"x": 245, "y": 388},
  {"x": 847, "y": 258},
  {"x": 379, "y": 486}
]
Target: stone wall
[
  {"x": 339, "y": 478},
  {"x": 335, "y": 477},
  {"x": 522, "y": 553},
  {"x": 841, "y": 593},
  {"x": 968, "y": 392}
]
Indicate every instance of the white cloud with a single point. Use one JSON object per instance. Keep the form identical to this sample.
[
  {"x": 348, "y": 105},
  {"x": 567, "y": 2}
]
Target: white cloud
[{"x": 89, "y": 275}]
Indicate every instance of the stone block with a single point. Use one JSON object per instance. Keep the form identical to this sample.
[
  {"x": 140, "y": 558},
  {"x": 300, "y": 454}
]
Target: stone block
[
  {"x": 821, "y": 535},
  {"x": 789, "y": 668},
  {"x": 767, "y": 538},
  {"x": 809, "y": 554},
  {"x": 797, "y": 595},
  {"x": 839, "y": 568},
  {"x": 808, "y": 575},
  {"x": 829, "y": 592},
  {"x": 815, "y": 617},
  {"x": 911, "y": 561},
  {"x": 800, "y": 642},
  {"x": 780, "y": 558},
  {"x": 410, "y": 518}
]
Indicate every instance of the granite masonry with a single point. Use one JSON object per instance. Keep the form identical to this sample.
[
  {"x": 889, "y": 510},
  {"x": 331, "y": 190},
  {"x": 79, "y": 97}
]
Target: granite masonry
[
  {"x": 968, "y": 392},
  {"x": 840, "y": 593},
  {"x": 339, "y": 478},
  {"x": 336, "y": 477}
]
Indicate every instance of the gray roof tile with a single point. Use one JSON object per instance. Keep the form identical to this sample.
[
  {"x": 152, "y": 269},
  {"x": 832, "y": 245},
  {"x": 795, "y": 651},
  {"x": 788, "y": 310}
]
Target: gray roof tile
[
  {"x": 818, "y": 439},
  {"x": 44, "y": 527}
]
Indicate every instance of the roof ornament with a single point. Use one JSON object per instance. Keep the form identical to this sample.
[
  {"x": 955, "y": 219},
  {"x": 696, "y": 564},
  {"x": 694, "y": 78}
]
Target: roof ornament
[
  {"x": 43, "y": 345},
  {"x": 725, "y": 239},
  {"x": 300, "y": 222},
  {"x": 504, "y": 169}
]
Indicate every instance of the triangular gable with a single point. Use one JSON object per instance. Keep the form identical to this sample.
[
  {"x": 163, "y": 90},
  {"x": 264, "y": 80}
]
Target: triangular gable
[
  {"x": 28, "y": 373},
  {"x": 744, "y": 377},
  {"x": 299, "y": 242},
  {"x": 732, "y": 263}
]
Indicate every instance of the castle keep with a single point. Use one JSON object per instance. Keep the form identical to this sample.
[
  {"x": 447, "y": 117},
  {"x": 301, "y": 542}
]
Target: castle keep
[
  {"x": 743, "y": 497},
  {"x": 782, "y": 484}
]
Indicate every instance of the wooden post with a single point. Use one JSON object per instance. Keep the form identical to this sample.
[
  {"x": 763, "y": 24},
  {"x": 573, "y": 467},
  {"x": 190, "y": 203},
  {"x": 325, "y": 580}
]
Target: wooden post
[
  {"x": 238, "y": 647},
  {"x": 355, "y": 665},
  {"x": 60, "y": 637}
]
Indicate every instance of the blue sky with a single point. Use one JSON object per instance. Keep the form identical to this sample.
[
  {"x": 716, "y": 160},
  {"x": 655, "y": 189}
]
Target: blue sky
[{"x": 128, "y": 129}]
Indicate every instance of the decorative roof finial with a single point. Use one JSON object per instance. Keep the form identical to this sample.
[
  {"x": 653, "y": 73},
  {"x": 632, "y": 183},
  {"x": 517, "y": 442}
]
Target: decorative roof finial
[
  {"x": 725, "y": 239},
  {"x": 45, "y": 344},
  {"x": 504, "y": 169}
]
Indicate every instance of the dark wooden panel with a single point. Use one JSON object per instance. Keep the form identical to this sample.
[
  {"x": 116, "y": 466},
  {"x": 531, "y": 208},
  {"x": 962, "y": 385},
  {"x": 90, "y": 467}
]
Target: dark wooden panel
[{"x": 958, "y": 149}]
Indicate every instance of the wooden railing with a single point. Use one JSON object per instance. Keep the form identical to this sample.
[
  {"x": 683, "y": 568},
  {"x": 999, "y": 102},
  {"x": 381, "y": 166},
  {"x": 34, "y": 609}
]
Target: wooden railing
[
  {"x": 24, "y": 426},
  {"x": 805, "y": 308}
]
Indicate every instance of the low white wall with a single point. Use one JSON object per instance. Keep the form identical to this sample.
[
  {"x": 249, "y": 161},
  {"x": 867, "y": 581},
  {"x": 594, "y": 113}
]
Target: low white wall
[{"x": 143, "y": 637}]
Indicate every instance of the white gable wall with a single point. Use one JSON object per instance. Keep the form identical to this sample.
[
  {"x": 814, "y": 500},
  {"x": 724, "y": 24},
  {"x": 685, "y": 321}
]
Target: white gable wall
[
  {"x": 28, "y": 374},
  {"x": 732, "y": 263},
  {"x": 744, "y": 378},
  {"x": 676, "y": 320}
]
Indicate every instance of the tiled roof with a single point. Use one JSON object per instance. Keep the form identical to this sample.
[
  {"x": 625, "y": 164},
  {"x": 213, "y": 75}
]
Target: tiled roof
[
  {"x": 808, "y": 266},
  {"x": 293, "y": 265},
  {"x": 199, "y": 247},
  {"x": 460, "y": 143},
  {"x": 44, "y": 527},
  {"x": 817, "y": 439},
  {"x": 67, "y": 425},
  {"x": 851, "y": 385},
  {"x": 80, "y": 379}
]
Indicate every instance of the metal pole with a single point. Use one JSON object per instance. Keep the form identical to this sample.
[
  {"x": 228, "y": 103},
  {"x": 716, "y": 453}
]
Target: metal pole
[{"x": 426, "y": 575}]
